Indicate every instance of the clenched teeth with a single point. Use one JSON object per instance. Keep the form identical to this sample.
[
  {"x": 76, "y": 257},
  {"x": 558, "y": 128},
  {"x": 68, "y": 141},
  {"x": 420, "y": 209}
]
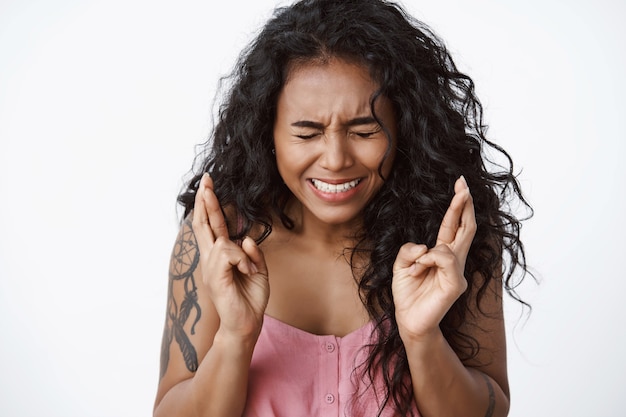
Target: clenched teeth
[{"x": 334, "y": 188}]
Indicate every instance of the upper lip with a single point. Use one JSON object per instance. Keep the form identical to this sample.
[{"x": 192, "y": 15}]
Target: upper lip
[{"x": 336, "y": 181}]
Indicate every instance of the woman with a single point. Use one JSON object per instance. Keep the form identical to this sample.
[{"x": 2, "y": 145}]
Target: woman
[{"x": 333, "y": 260}]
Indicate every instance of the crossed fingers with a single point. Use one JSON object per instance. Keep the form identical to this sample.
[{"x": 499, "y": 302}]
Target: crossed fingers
[
  {"x": 208, "y": 220},
  {"x": 458, "y": 226}
]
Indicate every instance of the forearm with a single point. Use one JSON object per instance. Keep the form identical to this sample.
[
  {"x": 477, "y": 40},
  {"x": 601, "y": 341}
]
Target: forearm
[
  {"x": 444, "y": 387},
  {"x": 219, "y": 386}
]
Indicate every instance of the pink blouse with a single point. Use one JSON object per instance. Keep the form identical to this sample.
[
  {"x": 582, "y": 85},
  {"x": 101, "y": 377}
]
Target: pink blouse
[{"x": 295, "y": 373}]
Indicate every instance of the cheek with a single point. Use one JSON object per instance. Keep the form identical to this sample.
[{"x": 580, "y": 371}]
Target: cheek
[
  {"x": 283, "y": 169},
  {"x": 290, "y": 163},
  {"x": 281, "y": 152}
]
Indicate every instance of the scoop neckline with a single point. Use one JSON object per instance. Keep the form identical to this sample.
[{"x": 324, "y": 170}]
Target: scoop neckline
[{"x": 310, "y": 334}]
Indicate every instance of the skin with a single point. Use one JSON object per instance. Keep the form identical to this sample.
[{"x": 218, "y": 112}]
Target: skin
[
  {"x": 426, "y": 283},
  {"x": 323, "y": 134},
  {"x": 324, "y": 131}
]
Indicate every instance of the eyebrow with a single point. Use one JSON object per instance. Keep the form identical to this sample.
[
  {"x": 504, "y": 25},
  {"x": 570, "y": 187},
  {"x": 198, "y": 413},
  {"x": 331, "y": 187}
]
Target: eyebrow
[{"x": 368, "y": 120}]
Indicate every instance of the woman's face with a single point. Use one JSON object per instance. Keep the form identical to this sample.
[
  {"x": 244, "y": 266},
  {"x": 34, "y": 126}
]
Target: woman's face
[{"x": 328, "y": 145}]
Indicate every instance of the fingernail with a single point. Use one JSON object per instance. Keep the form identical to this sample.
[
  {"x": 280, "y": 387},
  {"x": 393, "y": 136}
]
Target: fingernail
[
  {"x": 464, "y": 181},
  {"x": 419, "y": 251}
]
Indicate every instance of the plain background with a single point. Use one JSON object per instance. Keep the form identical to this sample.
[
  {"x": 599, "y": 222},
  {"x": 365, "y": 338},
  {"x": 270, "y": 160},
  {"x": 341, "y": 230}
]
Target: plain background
[{"x": 102, "y": 103}]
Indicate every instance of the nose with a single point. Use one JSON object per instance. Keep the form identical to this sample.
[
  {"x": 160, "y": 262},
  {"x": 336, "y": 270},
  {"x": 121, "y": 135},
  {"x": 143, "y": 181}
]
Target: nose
[{"x": 336, "y": 152}]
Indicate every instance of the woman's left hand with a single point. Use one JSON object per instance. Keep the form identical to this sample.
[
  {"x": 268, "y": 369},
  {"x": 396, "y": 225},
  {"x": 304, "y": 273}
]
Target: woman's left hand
[{"x": 426, "y": 282}]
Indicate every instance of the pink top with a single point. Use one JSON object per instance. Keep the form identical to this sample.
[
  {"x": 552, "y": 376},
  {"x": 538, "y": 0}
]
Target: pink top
[{"x": 295, "y": 373}]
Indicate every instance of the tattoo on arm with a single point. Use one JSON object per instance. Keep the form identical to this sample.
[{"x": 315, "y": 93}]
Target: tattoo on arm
[
  {"x": 185, "y": 258},
  {"x": 492, "y": 397}
]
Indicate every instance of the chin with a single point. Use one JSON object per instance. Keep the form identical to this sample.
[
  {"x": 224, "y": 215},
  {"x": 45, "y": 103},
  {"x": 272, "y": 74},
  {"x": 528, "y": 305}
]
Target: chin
[{"x": 339, "y": 219}]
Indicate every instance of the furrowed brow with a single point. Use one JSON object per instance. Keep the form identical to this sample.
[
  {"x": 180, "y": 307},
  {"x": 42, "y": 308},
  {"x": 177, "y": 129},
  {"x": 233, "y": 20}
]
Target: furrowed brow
[
  {"x": 358, "y": 121},
  {"x": 308, "y": 123},
  {"x": 368, "y": 120}
]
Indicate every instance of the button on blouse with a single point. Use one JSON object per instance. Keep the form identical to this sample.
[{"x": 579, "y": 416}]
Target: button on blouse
[{"x": 296, "y": 373}]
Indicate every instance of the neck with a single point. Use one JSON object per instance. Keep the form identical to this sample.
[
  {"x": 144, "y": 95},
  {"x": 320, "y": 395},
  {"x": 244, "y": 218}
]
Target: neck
[{"x": 334, "y": 237}]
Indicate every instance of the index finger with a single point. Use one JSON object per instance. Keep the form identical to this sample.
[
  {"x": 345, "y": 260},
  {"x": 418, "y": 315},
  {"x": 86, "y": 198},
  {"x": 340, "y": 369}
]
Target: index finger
[
  {"x": 466, "y": 229},
  {"x": 213, "y": 208},
  {"x": 453, "y": 218},
  {"x": 200, "y": 223}
]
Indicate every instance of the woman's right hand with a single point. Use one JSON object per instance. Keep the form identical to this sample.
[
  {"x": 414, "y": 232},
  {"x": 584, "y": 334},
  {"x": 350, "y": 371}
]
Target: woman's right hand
[{"x": 236, "y": 276}]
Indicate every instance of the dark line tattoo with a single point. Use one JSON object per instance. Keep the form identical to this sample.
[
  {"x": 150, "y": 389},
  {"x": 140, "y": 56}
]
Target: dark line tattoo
[
  {"x": 492, "y": 397},
  {"x": 185, "y": 258}
]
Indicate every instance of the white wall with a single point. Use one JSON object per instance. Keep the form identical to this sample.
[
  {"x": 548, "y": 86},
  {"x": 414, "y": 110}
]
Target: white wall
[{"x": 102, "y": 102}]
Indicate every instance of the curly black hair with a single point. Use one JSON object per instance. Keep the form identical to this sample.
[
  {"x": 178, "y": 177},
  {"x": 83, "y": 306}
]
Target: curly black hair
[{"x": 440, "y": 136}]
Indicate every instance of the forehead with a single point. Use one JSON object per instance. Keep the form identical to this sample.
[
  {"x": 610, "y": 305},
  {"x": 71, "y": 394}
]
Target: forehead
[
  {"x": 332, "y": 84},
  {"x": 312, "y": 69},
  {"x": 325, "y": 61}
]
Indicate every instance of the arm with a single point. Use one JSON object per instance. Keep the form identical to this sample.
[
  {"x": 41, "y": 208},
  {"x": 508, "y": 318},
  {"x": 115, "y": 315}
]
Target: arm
[
  {"x": 445, "y": 386},
  {"x": 217, "y": 296},
  {"x": 425, "y": 285}
]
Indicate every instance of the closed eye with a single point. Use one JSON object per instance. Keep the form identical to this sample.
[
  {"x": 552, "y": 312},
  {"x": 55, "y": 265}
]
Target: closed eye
[
  {"x": 310, "y": 136},
  {"x": 367, "y": 134}
]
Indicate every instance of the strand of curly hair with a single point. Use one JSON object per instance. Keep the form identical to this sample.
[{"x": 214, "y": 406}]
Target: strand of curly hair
[{"x": 440, "y": 135}]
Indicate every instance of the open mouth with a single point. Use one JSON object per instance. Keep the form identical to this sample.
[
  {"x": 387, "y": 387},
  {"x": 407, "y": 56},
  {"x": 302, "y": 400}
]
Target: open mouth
[{"x": 334, "y": 188}]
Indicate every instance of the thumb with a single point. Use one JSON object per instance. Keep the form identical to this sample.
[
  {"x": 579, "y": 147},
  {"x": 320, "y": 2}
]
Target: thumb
[
  {"x": 255, "y": 254},
  {"x": 407, "y": 255}
]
